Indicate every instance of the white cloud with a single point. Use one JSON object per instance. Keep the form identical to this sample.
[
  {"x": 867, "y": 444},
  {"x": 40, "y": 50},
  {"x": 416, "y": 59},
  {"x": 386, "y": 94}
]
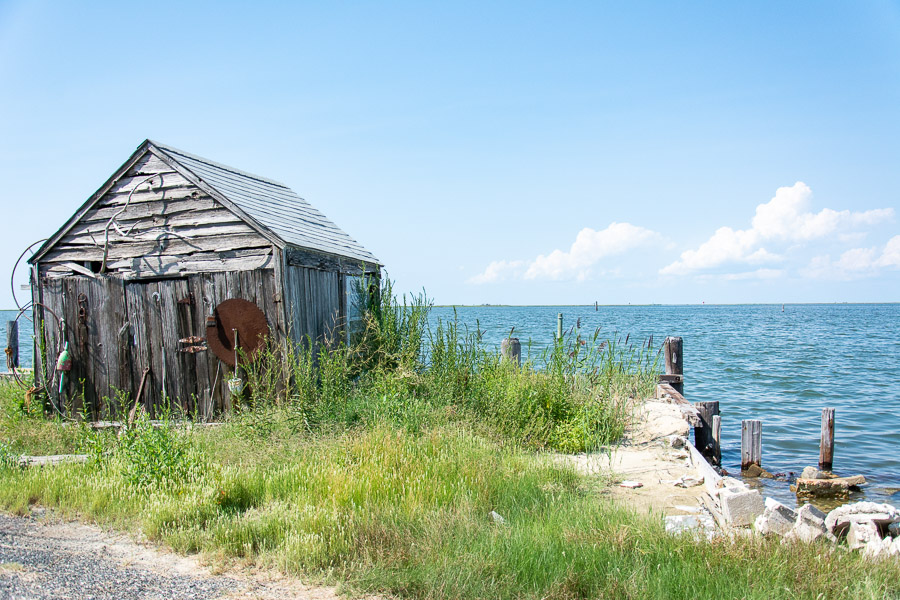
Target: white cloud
[
  {"x": 588, "y": 249},
  {"x": 890, "y": 256},
  {"x": 757, "y": 274},
  {"x": 856, "y": 262},
  {"x": 785, "y": 218},
  {"x": 499, "y": 270}
]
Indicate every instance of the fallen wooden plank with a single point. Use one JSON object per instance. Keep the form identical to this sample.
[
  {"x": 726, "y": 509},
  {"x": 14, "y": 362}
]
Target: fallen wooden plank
[{"x": 56, "y": 459}]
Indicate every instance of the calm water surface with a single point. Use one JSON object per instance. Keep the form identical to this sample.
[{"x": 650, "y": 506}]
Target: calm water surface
[
  {"x": 757, "y": 361},
  {"x": 761, "y": 363}
]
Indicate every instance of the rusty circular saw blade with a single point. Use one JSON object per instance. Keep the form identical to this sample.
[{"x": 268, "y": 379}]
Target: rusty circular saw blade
[{"x": 247, "y": 319}]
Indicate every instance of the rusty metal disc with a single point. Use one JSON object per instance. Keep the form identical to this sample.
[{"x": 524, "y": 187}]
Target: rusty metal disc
[{"x": 243, "y": 316}]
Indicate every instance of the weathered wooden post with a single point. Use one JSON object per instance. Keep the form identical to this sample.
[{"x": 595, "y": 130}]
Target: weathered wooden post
[
  {"x": 511, "y": 350},
  {"x": 826, "y": 445},
  {"x": 717, "y": 438},
  {"x": 12, "y": 345},
  {"x": 559, "y": 326},
  {"x": 703, "y": 433},
  {"x": 673, "y": 348},
  {"x": 751, "y": 443}
]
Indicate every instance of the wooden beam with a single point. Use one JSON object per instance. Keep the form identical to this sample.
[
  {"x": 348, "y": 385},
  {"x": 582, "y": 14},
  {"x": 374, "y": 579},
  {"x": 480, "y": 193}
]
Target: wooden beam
[
  {"x": 674, "y": 353},
  {"x": 703, "y": 433},
  {"x": 12, "y": 344},
  {"x": 826, "y": 444},
  {"x": 751, "y": 443}
]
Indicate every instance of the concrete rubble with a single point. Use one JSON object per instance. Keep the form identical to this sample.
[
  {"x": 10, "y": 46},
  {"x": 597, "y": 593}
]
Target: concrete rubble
[
  {"x": 882, "y": 515},
  {"x": 827, "y": 487},
  {"x": 731, "y": 505},
  {"x": 809, "y": 526},
  {"x": 777, "y": 519},
  {"x": 702, "y": 524},
  {"x": 861, "y": 533}
]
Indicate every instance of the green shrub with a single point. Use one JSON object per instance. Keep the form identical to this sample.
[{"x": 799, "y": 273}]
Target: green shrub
[{"x": 152, "y": 455}]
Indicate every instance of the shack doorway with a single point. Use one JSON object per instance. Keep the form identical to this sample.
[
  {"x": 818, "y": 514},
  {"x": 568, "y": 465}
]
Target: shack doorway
[{"x": 166, "y": 337}]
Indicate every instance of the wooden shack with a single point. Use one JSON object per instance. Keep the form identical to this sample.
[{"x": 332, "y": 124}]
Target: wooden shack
[{"x": 136, "y": 280}]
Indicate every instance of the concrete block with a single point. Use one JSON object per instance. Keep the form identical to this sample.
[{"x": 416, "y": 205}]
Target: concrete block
[
  {"x": 810, "y": 526},
  {"x": 777, "y": 519},
  {"x": 740, "y": 507},
  {"x": 860, "y": 534}
]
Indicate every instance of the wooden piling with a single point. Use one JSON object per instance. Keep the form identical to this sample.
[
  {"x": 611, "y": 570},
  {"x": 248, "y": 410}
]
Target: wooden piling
[
  {"x": 703, "y": 433},
  {"x": 511, "y": 350},
  {"x": 717, "y": 439},
  {"x": 673, "y": 349},
  {"x": 826, "y": 445},
  {"x": 751, "y": 443},
  {"x": 12, "y": 345},
  {"x": 559, "y": 329}
]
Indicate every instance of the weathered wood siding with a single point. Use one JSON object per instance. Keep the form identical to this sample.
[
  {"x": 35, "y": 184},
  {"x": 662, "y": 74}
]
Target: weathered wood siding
[
  {"x": 314, "y": 303},
  {"x": 172, "y": 228},
  {"x": 126, "y": 326}
]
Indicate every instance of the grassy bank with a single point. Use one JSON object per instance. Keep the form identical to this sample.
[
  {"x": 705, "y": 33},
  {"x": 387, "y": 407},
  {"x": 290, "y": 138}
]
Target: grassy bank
[
  {"x": 380, "y": 469},
  {"x": 386, "y": 509}
]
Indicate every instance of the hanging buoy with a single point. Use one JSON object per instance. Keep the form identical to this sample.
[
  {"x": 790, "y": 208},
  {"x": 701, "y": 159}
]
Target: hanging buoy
[
  {"x": 63, "y": 364},
  {"x": 235, "y": 385}
]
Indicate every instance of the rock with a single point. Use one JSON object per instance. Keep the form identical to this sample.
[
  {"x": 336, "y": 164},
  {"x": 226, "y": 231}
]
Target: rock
[
  {"x": 814, "y": 473},
  {"x": 689, "y": 481},
  {"x": 777, "y": 519},
  {"x": 883, "y": 515},
  {"x": 497, "y": 518},
  {"x": 680, "y": 455},
  {"x": 740, "y": 506},
  {"x": 877, "y": 548},
  {"x": 631, "y": 485},
  {"x": 696, "y": 524},
  {"x": 756, "y": 471},
  {"x": 731, "y": 482},
  {"x": 809, "y": 526},
  {"x": 827, "y": 487},
  {"x": 894, "y": 529},
  {"x": 861, "y": 533},
  {"x": 895, "y": 547},
  {"x": 677, "y": 441}
]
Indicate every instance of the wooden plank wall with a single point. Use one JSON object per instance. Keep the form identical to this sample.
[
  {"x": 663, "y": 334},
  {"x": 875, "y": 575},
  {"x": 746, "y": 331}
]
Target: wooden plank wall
[
  {"x": 314, "y": 303},
  {"x": 131, "y": 325},
  {"x": 92, "y": 311},
  {"x": 172, "y": 228}
]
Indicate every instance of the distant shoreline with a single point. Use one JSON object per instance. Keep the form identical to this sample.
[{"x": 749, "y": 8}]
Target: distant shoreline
[{"x": 662, "y": 305}]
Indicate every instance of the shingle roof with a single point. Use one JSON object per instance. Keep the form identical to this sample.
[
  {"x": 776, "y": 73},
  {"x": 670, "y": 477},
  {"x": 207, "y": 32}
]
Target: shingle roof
[{"x": 272, "y": 205}]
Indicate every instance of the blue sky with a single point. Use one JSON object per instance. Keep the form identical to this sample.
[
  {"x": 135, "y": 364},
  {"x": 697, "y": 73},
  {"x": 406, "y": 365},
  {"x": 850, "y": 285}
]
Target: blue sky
[{"x": 496, "y": 152}]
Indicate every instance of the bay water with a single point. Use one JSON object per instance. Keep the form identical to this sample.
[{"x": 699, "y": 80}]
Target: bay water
[{"x": 759, "y": 362}]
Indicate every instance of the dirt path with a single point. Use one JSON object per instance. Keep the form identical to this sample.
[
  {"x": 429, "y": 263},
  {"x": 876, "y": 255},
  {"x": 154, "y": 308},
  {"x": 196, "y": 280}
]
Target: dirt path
[
  {"x": 647, "y": 457},
  {"x": 45, "y": 558}
]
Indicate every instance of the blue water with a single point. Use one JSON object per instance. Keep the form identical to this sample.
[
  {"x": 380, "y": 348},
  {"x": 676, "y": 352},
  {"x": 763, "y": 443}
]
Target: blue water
[
  {"x": 26, "y": 346},
  {"x": 757, "y": 361},
  {"x": 761, "y": 363}
]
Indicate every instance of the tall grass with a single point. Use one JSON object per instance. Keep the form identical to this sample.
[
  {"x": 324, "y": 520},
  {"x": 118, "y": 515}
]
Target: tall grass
[
  {"x": 573, "y": 397},
  {"x": 386, "y": 510}
]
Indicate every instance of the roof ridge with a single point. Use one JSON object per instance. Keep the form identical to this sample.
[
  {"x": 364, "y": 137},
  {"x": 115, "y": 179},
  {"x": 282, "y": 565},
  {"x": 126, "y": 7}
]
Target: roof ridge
[{"x": 171, "y": 149}]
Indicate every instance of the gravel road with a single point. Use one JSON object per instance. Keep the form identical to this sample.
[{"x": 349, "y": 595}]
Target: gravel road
[{"x": 41, "y": 557}]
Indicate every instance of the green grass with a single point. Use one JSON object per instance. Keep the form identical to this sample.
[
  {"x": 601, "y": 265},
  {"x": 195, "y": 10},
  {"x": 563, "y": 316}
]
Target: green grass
[
  {"x": 376, "y": 467},
  {"x": 384, "y": 509}
]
